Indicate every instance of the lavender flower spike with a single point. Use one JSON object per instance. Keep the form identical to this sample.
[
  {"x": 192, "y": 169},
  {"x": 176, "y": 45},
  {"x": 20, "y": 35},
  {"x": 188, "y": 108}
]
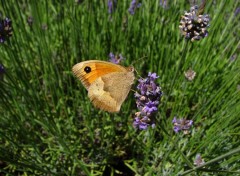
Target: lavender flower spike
[
  {"x": 163, "y": 3},
  {"x": 148, "y": 98},
  {"x": 193, "y": 25},
  {"x": 116, "y": 59},
  {"x": 237, "y": 11},
  {"x": 182, "y": 125},
  {"x": 112, "y": 4},
  {"x": 5, "y": 29},
  {"x": 198, "y": 161},
  {"x": 133, "y": 6}
]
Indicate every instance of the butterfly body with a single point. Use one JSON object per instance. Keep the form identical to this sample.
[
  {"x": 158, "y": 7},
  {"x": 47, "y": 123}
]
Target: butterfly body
[{"x": 108, "y": 84}]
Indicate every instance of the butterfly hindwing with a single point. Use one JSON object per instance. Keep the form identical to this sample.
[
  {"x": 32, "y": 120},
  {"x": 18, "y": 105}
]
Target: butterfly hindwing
[{"x": 104, "y": 92}]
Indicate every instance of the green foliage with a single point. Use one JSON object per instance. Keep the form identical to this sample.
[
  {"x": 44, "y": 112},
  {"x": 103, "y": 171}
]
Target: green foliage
[{"x": 48, "y": 125}]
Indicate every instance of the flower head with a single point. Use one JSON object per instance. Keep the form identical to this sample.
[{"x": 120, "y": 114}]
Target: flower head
[
  {"x": 133, "y": 6},
  {"x": 116, "y": 59},
  {"x": 148, "y": 98},
  {"x": 190, "y": 74},
  {"x": 182, "y": 125},
  {"x": 112, "y": 4},
  {"x": 198, "y": 161},
  {"x": 5, "y": 29},
  {"x": 193, "y": 25}
]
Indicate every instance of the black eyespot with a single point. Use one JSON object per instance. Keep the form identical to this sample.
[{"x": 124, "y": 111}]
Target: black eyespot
[{"x": 87, "y": 69}]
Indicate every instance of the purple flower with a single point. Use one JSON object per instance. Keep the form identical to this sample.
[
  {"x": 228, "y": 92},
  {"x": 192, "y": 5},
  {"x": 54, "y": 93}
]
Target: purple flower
[
  {"x": 133, "y": 6},
  {"x": 237, "y": 11},
  {"x": 152, "y": 76},
  {"x": 193, "y": 25},
  {"x": 181, "y": 125},
  {"x": 150, "y": 107},
  {"x": 198, "y": 161},
  {"x": 140, "y": 124},
  {"x": 5, "y": 29},
  {"x": 116, "y": 59},
  {"x": 147, "y": 100},
  {"x": 163, "y": 3},
  {"x": 148, "y": 86},
  {"x": 112, "y": 4}
]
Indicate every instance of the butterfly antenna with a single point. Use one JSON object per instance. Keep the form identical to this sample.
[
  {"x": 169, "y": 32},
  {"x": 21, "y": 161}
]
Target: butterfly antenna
[
  {"x": 138, "y": 59},
  {"x": 138, "y": 74}
]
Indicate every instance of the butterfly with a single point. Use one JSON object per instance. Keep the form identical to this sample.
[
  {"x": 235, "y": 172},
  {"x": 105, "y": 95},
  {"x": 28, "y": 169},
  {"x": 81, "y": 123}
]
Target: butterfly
[{"x": 108, "y": 84}]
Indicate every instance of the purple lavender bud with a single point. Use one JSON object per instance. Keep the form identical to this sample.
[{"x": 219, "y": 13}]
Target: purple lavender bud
[
  {"x": 237, "y": 11},
  {"x": 163, "y": 3},
  {"x": 198, "y": 161},
  {"x": 111, "y": 55},
  {"x": 5, "y": 29},
  {"x": 193, "y": 25},
  {"x": 112, "y": 5},
  {"x": 152, "y": 76},
  {"x": 140, "y": 124},
  {"x": 133, "y": 6},
  {"x": 150, "y": 107},
  {"x": 181, "y": 125},
  {"x": 116, "y": 59}
]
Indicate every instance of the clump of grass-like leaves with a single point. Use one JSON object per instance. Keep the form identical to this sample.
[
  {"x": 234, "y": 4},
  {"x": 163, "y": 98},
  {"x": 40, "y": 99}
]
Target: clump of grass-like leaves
[{"x": 48, "y": 125}]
